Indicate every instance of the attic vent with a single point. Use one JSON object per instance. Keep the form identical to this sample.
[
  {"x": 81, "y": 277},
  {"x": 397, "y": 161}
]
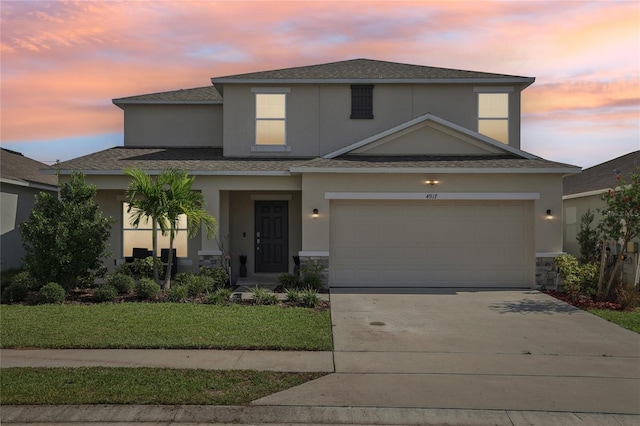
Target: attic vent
[{"x": 362, "y": 101}]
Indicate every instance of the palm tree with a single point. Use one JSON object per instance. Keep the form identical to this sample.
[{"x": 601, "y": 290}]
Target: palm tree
[
  {"x": 179, "y": 200},
  {"x": 147, "y": 201}
]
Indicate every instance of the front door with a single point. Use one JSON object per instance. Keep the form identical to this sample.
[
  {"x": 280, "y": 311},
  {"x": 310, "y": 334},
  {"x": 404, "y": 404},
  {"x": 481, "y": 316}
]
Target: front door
[{"x": 272, "y": 236}]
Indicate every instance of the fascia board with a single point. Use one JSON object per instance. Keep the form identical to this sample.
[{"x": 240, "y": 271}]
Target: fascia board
[
  {"x": 525, "y": 81},
  {"x": 418, "y": 170},
  {"x": 119, "y": 102},
  {"x": 28, "y": 184}
]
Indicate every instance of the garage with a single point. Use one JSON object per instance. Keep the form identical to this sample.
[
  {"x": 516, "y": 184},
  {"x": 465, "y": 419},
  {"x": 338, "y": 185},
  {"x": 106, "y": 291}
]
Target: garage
[{"x": 427, "y": 243}]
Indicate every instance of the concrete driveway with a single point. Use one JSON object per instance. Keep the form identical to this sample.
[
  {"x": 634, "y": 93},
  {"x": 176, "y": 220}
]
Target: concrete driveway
[{"x": 502, "y": 350}]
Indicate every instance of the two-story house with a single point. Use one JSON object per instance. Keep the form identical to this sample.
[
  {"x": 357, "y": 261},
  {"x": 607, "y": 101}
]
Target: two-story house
[{"x": 387, "y": 174}]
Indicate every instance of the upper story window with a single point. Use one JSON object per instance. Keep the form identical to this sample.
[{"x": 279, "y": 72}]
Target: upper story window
[
  {"x": 362, "y": 101},
  {"x": 493, "y": 116},
  {"x": 271, "y": 118}
]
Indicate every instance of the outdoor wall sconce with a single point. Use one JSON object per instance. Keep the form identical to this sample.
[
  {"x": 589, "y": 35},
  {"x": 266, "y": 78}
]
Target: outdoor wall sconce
[
  {"x": 432, "y": 182},
  {"x": 549, "y": 214},
  {"x": 314, "y": 214}
]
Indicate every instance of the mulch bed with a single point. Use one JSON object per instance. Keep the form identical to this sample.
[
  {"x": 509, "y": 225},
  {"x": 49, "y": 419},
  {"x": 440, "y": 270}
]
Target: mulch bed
[{"x": 583, "y": 302}]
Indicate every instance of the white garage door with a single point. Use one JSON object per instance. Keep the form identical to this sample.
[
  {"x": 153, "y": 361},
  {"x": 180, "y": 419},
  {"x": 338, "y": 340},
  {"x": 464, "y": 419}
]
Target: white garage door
[{"x": 431, "y": 244}]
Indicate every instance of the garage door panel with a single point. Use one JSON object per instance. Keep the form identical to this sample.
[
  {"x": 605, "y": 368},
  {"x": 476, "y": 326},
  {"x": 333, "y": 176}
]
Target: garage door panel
[{"x": 414, "y": 243}]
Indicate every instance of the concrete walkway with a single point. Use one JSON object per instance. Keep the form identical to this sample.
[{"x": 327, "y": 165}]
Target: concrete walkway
[{"x": 455, "y": 357}]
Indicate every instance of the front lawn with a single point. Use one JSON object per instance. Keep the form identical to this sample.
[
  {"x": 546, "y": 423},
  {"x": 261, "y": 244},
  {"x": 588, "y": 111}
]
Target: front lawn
[
  {"x": 164, "y": 325},
  {"x": 98, "y": 385},
  {"x": 626, "y": 319}
]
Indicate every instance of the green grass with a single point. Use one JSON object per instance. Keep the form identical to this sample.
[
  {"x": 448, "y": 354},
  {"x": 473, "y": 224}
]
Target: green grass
[
  {"x": 164, "y": 325},
  {"x": 98, "y": 385},
  {"x": 626, "y": 319}
]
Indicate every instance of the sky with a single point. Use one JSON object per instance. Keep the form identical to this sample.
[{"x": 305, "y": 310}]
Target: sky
[{"x": 62, "y": 62}]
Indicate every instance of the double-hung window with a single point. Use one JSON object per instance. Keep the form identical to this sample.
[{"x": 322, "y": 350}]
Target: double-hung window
[
  {"x": 493, "y": 116},
  {"x": 141, "y": 237},
  {"x": 271, "y": 118}
]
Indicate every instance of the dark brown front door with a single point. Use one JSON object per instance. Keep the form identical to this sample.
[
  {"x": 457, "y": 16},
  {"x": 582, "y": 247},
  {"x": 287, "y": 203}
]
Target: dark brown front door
[{"x": 272, "y": 236}]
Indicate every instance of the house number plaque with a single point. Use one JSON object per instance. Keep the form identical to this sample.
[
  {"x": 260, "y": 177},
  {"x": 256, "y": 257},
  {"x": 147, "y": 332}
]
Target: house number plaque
[{"x": 431, "y": 196}]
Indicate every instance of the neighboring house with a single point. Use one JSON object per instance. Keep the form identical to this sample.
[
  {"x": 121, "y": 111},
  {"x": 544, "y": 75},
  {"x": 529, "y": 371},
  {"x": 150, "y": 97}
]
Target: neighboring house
[
  {"x": 583, "y": 192},
  {"x": 386, "y": 174},
  {"x": 20, "y": 180}
]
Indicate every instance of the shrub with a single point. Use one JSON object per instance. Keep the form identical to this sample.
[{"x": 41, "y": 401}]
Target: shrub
[
  {"x": 627, "y": 296},
  {"x": 65, "y": 237},
  {"x": 293, "y": 295},
  {"x": 289, "y": 281},
  {"x": 143, "y": 268},
  {"x": 262, "y": 296},
  {"x": 309, "y": 298},
  {"x": 51, "y": 293},
  {"x": 105, "y": 293},
  {"x": 177, "y": 294},
  {"x": 124, "y": 269},
  {"x": 147, "y": 289},
  {"x": 15, "y": 293},
  {"x": 219, "y": 275},
  {"x": 221, "y": 297},
  {"x": 312, "y": 276},
  {"x": 577, "y": 279},
  {"x": 25, "y": 279},
  {"x": 121, "y": 282}
]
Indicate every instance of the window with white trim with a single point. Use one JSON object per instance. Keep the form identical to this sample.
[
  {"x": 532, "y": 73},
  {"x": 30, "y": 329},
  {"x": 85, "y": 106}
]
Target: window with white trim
[
  {"x": 141, "y": 237},
  {"x": 493, "y": 116},
  {"x": 271, "y": 118}
]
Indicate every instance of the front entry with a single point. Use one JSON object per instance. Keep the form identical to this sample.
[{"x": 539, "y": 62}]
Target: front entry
[{"x": 271, "y": 236}]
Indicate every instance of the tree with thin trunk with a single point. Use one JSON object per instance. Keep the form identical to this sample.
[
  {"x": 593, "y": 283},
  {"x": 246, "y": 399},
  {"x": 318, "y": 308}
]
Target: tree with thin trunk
[
  {"x": 180, "y": 200},
  {"x": 147, "y": 201},
  {"x": 620, "y": 223}
]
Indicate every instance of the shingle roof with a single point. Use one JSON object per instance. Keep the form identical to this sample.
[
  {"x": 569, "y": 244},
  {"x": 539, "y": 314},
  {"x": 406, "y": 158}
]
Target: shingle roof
[
  {"x": 16, "y": 166},
  {"x": 434, "y": 162},
  {"x": 211, "y": 161},
  {"x": 602, "y": 176},
  {"x": 207, "y": 94},
  {"x": 365, "y": 69},
  {"x": 189, "y": 159}
]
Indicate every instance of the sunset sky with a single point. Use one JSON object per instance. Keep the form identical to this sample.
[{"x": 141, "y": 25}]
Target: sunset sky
[{"x": 63, "y": 61}]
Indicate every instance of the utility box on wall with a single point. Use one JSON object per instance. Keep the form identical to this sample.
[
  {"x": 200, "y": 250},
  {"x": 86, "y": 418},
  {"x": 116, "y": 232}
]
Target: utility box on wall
[{"x": 632, "y": 247}]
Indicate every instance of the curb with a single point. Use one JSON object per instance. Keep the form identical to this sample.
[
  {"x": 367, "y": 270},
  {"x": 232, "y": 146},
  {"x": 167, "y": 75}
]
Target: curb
[{"x": 178, "y": 414}]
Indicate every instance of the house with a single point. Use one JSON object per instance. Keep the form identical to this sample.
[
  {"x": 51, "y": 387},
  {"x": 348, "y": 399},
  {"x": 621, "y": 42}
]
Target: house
[
  {"x": 20, "y": 180},
  {"x": 385, "y": 174},
  {"x": 583, "y": 192}
]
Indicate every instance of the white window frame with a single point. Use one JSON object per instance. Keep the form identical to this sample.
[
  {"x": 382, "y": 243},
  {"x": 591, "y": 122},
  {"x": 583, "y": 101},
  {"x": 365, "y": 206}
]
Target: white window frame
[
  {"x": 271, "y": 91},
  {"x": 494, "y": 90}
]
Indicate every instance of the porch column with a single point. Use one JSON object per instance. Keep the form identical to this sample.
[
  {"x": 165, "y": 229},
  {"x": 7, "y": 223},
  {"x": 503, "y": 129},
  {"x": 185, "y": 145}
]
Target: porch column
[{"x": 209, "y": 254}]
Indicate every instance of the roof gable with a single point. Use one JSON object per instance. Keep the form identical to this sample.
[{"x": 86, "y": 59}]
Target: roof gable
[{"x": 429, "y": 135}]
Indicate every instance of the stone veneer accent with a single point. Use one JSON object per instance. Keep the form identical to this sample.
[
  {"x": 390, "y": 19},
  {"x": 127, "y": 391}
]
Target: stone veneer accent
[
  {"x": 209, "y": 260},
  {"x": 322, "y": 261},
  {"x": 546, "y": 272}
]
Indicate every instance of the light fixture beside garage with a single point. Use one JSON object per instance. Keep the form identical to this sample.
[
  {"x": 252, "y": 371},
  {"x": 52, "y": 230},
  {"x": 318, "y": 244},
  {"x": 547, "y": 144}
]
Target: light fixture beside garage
[
  {"x": 549, "y": 214},
  {"x": 431, "y": 182},
  {"x": 314, "y": 214}
]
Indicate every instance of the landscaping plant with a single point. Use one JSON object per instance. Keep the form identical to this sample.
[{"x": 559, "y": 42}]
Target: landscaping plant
[
  {"x": 121, "y": 282},
  {"x": 312, "y": 276},
  {"x": 309, "y": 298},
  {"x": 262, "y": 296},
  {"x": 51, "y": 293},
  {"x": 177, "y": 294},
  {"x": 147, "y": 289},
  {"x": 65, "y": 237},
  {"x": 289, "y": 281},
  {"x": 105, "y": 293}
]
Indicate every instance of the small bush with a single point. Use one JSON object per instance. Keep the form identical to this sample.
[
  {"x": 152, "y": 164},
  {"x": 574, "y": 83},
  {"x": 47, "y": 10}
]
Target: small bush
[
  {"x": 121, "y": 282},
  {"x": 288, "y": 281},
  {"x": 577, "y": 279},
  {"x": 143, "y": 268},
  {"x": 25, "y": 279},
  {"x": 147, "y": 289},
  {"x": 309, "y": 298},
  {"x": 221, "y": 297},
  {"x": 312, "y": 276},
  {"x": 177, "y": 294},
  {"x": 51, "y": 293},
  {"x": 627, "y": 296},
  {"x": 15, "y": 293},
  {"x": 124, "y": 269},
  {"x": 262, "y": 296},
  {"x": 105, "y": 293},
  {"x": 219, "y": 275},
  {"x": 293, "y": 295}
]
